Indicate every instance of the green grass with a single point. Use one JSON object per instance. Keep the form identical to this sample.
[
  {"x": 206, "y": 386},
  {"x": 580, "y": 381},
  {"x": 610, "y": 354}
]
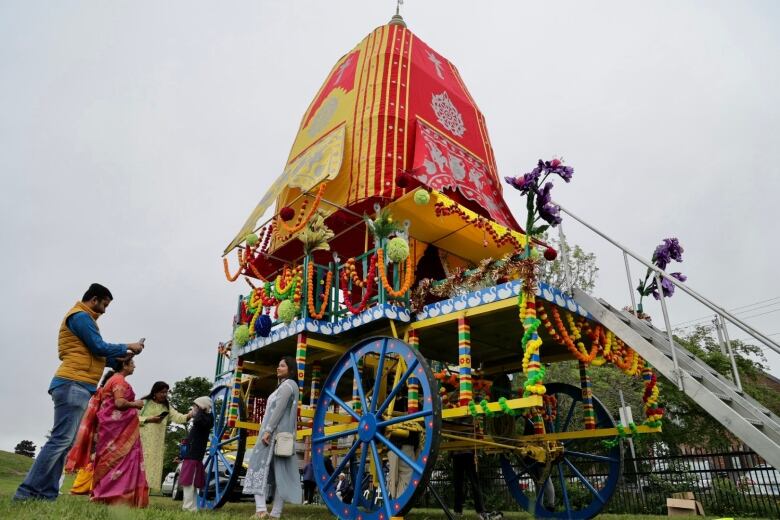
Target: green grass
[{"x": 14, "y": 467}]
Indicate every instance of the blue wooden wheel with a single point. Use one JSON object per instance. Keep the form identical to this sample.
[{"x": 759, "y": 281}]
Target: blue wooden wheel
[
  {"x": 225, "y": 455},
  {"x": 583, "y": 479},
  {"x": 377, "y": 367}
]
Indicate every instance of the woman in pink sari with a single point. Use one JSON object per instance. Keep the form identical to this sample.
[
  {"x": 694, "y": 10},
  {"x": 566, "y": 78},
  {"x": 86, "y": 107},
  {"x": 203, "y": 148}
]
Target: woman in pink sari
[{"x": 119, "y": 476}]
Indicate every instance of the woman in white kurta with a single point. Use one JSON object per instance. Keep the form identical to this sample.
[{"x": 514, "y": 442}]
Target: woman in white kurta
[
  {"x": 154, "y": 417},
  {"x": 266, "y": 469}
]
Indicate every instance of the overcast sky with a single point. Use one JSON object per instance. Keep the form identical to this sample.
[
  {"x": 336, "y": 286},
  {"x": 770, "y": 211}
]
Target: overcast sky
[{"x": 135, "y": 138}]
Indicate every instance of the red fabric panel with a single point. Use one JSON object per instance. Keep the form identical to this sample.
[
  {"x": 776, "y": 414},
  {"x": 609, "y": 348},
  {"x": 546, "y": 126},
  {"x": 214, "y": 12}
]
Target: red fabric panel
[{"x": 441, "y": 164}]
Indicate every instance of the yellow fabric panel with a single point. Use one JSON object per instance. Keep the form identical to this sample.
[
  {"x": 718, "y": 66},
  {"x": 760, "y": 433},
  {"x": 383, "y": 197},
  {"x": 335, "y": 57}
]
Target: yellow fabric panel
[
  {"x": 450, "y": 233},
  {"x": 322, "y": 161}
]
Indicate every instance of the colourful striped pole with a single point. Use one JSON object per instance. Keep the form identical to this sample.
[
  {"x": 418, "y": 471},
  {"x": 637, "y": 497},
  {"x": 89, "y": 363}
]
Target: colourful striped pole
[
  {"x": 589, "y": 415},
  {"x": 464, "y": 361},
  {"x": 235, "y": 395},
  {"x": 316, "y": 379},
  {"x": 300, "y": 360},
  {"x": 413, "y": 392}
]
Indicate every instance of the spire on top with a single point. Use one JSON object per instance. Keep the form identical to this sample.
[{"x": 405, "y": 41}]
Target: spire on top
[{"x": 397, "y": 19}]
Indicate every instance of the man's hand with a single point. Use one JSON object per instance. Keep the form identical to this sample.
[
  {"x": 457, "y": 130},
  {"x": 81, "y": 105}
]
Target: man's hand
[
  {"x": 135, "y": 348},
  {"x": 267, "y": 438}
]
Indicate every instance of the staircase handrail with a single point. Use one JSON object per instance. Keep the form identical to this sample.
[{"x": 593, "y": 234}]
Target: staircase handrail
[{"x": 703, "y": 300}]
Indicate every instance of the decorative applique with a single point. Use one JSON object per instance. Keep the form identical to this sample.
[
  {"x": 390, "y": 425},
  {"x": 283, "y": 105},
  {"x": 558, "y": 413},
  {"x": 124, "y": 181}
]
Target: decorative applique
[
  {"x": 441, "y": 164},
  {"x": 448, "y": 114},
  {"x": 323, "y": 117},
  {"x": 436, "y": 63}
]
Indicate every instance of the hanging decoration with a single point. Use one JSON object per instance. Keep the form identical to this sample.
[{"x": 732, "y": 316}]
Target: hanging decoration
[
  {"x": 422, "y": 197},
  {"x": 303, "y": 215},
  {"x": 611, "y": 443},
  {"x": 397, "y": 249},
  {"x": 383, "y": 226},
  {"x": 255, "y": 246},
  {"x": 459, "y": 281},
  {"x": 653, "y": 413},
  {"x": 408, "y": 276},
  {"x": 316, "y": 234},
  {"x": 251, "y": 240},
  {"x": 241, "y": 335},
  {"x": 262, "y": 326},
  {"x": 313, "y": 312},
  {"x": 349, "y": 272},
  {"x": 288, "y": 311},
  {"x": 499, "y": 234}
]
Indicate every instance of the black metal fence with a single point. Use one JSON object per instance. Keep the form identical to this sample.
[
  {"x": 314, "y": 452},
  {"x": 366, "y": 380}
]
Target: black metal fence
[{"x": 726, "y": 483}]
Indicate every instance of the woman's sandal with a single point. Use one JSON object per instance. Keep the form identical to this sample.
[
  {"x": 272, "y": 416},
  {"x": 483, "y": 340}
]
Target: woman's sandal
[{"x": 261, "y": 516}]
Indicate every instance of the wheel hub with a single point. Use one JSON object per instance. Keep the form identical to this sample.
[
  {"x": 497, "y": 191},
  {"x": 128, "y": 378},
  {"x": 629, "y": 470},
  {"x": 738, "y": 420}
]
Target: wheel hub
[{"x": 367, "y": 427}]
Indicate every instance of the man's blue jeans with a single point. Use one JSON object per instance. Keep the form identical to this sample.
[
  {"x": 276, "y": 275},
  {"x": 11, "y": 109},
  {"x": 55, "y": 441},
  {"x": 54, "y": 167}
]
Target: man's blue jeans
[{"x": 42, "y": 482}]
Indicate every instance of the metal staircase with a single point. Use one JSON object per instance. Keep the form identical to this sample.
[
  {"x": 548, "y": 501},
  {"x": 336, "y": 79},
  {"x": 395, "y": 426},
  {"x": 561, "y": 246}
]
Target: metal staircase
[
  {"x": 742, "y": 415},
  {"x": 723, "y": 399}
]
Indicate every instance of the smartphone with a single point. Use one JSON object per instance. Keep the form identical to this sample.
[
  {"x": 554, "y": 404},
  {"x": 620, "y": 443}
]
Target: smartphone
[{"x": 162, "y": 415}]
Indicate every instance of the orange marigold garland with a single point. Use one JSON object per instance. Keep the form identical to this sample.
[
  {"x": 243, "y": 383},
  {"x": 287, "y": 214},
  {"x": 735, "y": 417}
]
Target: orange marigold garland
[
  {"x": 230, "y": 277},
  {"x": 301, "y": 222},
  {"x": 318, "y": 315},
  {"x": 408, "y": 276},
  {"x": 577, "y": 349}
]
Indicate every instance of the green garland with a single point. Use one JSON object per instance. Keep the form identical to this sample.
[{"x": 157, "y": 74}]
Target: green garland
[
  {"x": 287, "y": 293},
  {"x": 484, "y": 404},
  {"x": 505, "y": 407},
  {"x": 474, "y": 411},
  {"x": 535, "y": 378},
  {"x": 609, "y": 444}
]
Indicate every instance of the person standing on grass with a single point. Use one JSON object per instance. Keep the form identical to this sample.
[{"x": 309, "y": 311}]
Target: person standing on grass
[
  {"x": 155, "y": 416},
  {"x": 83, "y": 354},
  {"x": 193, "y": 475},
  {"x": 266, "y": 468},
  {"x": 119, "y": 477}
]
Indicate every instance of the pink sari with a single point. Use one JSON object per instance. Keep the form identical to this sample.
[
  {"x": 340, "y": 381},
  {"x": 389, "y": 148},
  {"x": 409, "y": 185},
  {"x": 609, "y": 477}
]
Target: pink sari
[{"x": 119, "y": 462}]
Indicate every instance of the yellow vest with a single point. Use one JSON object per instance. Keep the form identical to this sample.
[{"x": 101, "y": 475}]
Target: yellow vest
[{"x": 78, "y": 362}]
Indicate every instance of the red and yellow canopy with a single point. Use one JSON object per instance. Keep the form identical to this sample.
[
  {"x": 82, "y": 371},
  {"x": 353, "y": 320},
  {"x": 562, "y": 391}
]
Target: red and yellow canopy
[{"x": 392, "y": 106}]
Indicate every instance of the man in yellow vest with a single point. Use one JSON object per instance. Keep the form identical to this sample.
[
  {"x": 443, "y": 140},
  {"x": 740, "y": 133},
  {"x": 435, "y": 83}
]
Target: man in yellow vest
[{"x": 83, "y": 355}]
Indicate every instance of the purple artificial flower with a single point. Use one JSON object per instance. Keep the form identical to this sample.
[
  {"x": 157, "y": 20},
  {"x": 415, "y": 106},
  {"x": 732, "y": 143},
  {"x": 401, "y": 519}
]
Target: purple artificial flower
[
  {"x": 556, "y": 166},
  {"x": 550, "y": 213},
  {"x": 667, "y": 287},
  {"x": 669, "y": 250},
  {"x": 543, "y": 196},
  {"x": 527, "y": 182}
]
